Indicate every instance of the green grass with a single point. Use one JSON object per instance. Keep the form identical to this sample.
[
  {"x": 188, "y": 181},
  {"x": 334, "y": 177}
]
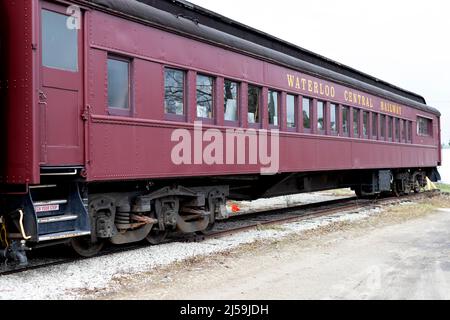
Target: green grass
[{"x": 443, "y": 187}]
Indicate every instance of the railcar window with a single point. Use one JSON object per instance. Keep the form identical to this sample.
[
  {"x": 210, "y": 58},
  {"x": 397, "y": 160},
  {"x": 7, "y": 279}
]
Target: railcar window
[
  {"x": 366, "y": 124},
  {"x": 320, "y": 115},
  {"x": 306, "y": 106},
  {"x": 290, "y": 111},
  {"x": 397, "y": 129},
  {"x": 356, "y": 123},
  {"x": 410, "y": 126},
  {"x": 334, "y": 113},
  {"x": 390, "y": 127},
  {"x": 205, "y": 94},
  {"x": 118, "y": 84},
  {"x": 59, "y": 43},
  {"x": 374, "y": 125},
  {"x": 231, "y": 100},
  {"x": 346, "y": 121},
  {"x": 383, "y": 127},
  {"x": 174, "y": 91},
  {"x": 424, "y": 126},
  {"x": 273, "y": 108},
  {"x": 254, "y": 101},
  {"x": 403, "y": 125}
]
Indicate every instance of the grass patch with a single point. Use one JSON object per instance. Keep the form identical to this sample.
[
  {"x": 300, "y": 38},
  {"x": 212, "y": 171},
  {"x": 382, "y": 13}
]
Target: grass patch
[
  {"x": 443, "y": 187},
  {"x": 272, "y": 227}
]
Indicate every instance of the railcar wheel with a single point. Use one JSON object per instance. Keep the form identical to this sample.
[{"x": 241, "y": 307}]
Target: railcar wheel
[
  {"x": 156, "y": 236},
  {"x": 209, "y": 228},
  {"x": 84, "y": 246}
]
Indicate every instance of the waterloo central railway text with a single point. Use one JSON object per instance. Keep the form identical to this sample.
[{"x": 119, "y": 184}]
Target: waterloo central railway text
[
  {"x": 349, "y": 96},
  {"x": 311, "y": 86}
]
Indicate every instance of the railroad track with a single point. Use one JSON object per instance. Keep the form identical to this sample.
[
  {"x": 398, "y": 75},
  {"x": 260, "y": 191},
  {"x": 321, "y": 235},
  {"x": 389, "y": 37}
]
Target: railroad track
[
  {"x": 45, "y": 258},
  {"x": 302, "y": 212}
]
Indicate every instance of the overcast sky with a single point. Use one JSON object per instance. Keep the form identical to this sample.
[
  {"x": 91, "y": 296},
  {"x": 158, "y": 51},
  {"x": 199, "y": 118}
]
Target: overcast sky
[{"x": 406, "y": 43}]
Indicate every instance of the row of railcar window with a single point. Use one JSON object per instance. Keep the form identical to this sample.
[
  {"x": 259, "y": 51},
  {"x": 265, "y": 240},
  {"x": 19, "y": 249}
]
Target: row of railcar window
[{"x": 317, "y": 116}]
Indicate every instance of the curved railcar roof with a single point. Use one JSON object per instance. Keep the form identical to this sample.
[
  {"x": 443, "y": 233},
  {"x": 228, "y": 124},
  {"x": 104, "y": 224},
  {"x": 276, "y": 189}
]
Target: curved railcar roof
[
  {"x": 222, "y": 23},
  {"x": 185, "y": 17}
]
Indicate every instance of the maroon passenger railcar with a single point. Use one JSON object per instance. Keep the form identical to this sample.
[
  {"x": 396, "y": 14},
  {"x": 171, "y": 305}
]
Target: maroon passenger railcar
[{"x": 98, "y": 97}]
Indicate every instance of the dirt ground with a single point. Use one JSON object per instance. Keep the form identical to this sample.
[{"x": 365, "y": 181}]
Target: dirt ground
[{"x": 403, "y": 253}]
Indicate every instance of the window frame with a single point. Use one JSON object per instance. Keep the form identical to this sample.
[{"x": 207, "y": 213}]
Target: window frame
[
  {"x": 324, "y": 116},
  {"x": 367, "y": 127},
  {"x": 278, "y": 125},
  {"x": 120, "y": 111},
  {"x": 238, "y": 103},
  {"x": 410, "y": 131},
  {"x": 390, "y": 131},
  {"x": 403, "y": 132},
  {"x": 397, "y": 130},
  {"x": 375, "y": 125},
  {"x": 383, "y": 127},
  {"x": 53, "y": 8},
  {"x": 429, "y": 133},
  {"x": 259, "y": 123},
  {"x": 296, "y": 126},
  {"x": 171, "y": 116},
  {"x": 213, "y": 95},
  {"x": 311, "y": 112},
  {"x": 334, "y": 106},
  {"x": 356, "y": 134},
  {"x": 349, "y": 110}
]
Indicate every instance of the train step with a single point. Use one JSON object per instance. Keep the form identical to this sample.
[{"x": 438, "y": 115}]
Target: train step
[
  {"x": 50, "y": 207},
  {"x": 62, "y": 218},
  {"x": 63, "y": 235},
  {"x": 60, "y": 212}
]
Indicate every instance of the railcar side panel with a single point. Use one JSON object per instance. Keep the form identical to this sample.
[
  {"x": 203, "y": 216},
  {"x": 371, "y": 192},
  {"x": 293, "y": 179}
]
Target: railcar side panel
[
  {"x": 139, "y": 145},
  {"x": 19, "y": 137}
]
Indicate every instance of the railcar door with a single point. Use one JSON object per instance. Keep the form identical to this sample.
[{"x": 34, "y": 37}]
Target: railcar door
[{"x": 61, "y": 85}]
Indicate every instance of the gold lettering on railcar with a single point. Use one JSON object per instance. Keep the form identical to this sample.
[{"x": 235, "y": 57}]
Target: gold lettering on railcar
[
  {"x": 390, "y": 108},
  {"x": 313, "y": 87},
  {"x": 358, "y": 99}
]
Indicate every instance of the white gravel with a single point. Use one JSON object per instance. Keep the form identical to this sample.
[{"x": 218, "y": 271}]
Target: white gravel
[{"x": 70, "y": 281}]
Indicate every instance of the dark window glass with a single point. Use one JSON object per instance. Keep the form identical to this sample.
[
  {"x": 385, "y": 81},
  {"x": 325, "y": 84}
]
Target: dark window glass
[
  {"x": 290, "y": 111},
  {"x": 118, "y": 84},
  {"x": 254, "y": 100},
  {"x": 59, "y": 43},
  {"x": 410, "y": 126},
  {"x": 390, "y": 127},
  {"x": 273, "y": 108},
  {"x": 346, "y": 120},
  {"x": 320, "y": 116},
  {"x": 397, "y": 129},
  {"x": 205, "y": 94},
  {"x": 383, "y": 126},
  {"x": 174, "y": 92},
  {"x": 404, "y": 129},
  {"x": 365, "y": 124},
  {"x": 334, "y": 114},
  {"x": 356, "y": 123},
  {"x": 374, "y": 125},
  {"x": 306, "y": 105},
  {"x": 424, "y": 126},
  {"x": 231, "y": 100}
]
